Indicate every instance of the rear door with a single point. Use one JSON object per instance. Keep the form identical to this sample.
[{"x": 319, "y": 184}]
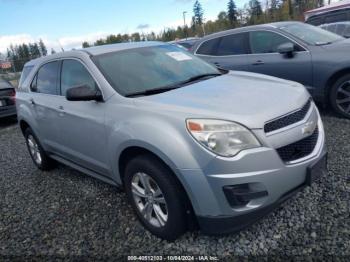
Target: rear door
[
  {"x": 229, "y": 51},
  {"x": 44, "y": 100},
  {"x": 265, "y": 59}
]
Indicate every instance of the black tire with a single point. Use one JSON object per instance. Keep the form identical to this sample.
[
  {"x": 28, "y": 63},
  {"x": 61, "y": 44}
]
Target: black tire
[
  {"x": 344, "y": 108},
  {"x": 176, "y": 223},
  {"x": 46, "y": 162}
]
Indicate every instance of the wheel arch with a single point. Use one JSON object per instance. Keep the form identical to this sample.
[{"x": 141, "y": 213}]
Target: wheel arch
[
  {"x": 331, "y": 81},
  {"x": 131, "y": 152},
  {"x": 23, "y": 125}
]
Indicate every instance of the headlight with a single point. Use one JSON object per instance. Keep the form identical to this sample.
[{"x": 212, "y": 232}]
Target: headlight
[{"x": 222, "y": 137}]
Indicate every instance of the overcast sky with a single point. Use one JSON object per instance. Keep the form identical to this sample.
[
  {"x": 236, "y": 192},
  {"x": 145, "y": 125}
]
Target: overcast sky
[{"x": 70, "y": 22}]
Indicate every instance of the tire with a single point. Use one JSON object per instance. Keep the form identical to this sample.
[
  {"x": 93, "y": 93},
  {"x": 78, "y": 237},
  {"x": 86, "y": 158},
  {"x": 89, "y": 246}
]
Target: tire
[
  {"x": 159, "y": 177},
  {"x": 36, "y": 151},
  {"x": 340, "y": 96}
]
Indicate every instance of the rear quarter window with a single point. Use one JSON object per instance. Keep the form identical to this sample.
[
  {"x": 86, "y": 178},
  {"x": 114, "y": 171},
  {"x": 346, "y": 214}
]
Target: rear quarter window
[{"x": 208, "y": 47}]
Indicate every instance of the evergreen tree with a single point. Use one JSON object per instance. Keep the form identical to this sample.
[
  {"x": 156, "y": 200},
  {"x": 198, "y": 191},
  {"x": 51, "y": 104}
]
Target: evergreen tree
[
  {"x": 85, "y": 44},
  {"x": 198, "y": 13},
  {"x": 232, "y": 12},
  {"x": 42, "y": 47}
]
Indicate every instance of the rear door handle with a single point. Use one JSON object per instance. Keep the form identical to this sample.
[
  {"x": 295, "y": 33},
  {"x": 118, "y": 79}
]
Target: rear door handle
[
  {"x": 259, "y": 62},
  {"x": 32, "y": 101},
  {"x": 61, "y": 108}
]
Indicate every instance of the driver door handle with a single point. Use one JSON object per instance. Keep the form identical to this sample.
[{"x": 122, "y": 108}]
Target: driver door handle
[{"x": 259, "y": 62}]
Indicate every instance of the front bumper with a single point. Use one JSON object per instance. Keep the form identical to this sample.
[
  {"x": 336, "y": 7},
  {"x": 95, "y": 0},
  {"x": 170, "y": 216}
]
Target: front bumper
[
  {"x": 224, "y": 225},
  {"x": 262, "y": 169}
]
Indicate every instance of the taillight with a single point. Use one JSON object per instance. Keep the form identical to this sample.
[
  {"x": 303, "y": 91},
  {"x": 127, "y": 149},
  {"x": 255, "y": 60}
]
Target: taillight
[{"x": 13, "y": 95}]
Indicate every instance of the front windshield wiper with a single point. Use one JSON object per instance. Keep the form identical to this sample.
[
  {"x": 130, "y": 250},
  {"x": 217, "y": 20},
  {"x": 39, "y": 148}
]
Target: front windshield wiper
[
  {"x": 198, "y": 77},
  {"x": 171, "y": 87},
  {"x": 152, "y": 91}
]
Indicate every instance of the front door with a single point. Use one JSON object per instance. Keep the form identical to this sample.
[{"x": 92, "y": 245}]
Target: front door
[
  {"x": 265, "y": 59},
  {"x": 82, "y": 137}
]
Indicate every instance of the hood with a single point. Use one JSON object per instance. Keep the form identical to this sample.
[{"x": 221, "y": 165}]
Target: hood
[
  {"x": 248, "y": 98},
  {"x": 343, "y": 45}
]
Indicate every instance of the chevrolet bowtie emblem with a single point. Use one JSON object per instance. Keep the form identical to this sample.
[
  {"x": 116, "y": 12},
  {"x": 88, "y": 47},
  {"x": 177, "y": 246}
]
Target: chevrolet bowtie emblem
[{"x": 309, "y": 128}]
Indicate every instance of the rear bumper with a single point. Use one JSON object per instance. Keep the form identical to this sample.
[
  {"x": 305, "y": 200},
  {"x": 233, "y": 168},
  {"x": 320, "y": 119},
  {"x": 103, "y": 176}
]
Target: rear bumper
[{"x": 8, "y": 111}]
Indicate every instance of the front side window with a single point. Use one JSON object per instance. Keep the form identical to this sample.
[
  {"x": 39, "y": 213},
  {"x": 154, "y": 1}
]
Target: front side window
[
  {"x": 232, "y": 45},
  {"x": 262, "y": 42},
  {"x": 310, "y": 34},
  {"x": 74, "y": 74},
  {"x": 46, "y": 80},
  {"x": 145, "y": 69}
]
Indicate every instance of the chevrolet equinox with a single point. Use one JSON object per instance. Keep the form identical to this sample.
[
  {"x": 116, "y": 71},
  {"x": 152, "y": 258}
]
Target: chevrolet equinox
[{"x": 192, "y": 145}]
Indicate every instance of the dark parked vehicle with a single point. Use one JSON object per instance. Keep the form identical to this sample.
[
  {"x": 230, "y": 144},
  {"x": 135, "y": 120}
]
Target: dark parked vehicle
[
  {"x": 339, "y": 28},
  {"x": 336, "y": 12},
  {"x": 186, "y": 43},
  {"x": 7, "y": 99},
  {"x": 291, "y": 50}
]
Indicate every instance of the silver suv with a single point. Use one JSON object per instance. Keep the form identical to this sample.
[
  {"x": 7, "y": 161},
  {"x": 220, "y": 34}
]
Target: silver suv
[{"x": 191, "y": 145}]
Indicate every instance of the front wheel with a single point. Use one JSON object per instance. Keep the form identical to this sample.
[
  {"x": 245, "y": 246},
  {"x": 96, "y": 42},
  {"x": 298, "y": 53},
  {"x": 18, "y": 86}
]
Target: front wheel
[
  {"x": 340, "y": 96},
  {"x": 156, "y": 197},
  {"x": 37, "y": 153}
]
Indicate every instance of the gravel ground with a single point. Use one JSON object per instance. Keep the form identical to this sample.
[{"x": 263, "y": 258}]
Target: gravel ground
[{"x": 64, "y": 213}]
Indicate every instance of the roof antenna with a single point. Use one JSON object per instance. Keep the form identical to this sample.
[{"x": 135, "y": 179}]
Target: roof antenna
[{"x": 60, "y": 45}]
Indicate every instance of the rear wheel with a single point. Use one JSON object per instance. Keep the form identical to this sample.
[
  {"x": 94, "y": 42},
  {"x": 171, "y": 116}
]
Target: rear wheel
[
  {"x": 37, "y": 153},
  {"x": 340, "y": 96},
  {"x": 156, "y": 197}
]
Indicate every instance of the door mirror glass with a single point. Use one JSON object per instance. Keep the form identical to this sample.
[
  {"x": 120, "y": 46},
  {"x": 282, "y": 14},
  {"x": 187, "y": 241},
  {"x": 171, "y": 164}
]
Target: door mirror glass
[
  {"x": 286, "y": 49},
  {"x": 83, "y": 93}
]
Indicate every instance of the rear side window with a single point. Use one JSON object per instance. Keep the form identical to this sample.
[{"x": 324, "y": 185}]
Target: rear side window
[
  {"x": 74, "y": 74},
  {"x": 336, "y": 18},
  {"x": 235, "y": 44},
  {"x": 315, "y": 21},
  {"x": 340, "y": 29},
  {"x": 208, "y": 47},
  {"x": 25, "y": 72},
  {"x": 46, "y": 80},
  {"x": 262, "y": 42}
]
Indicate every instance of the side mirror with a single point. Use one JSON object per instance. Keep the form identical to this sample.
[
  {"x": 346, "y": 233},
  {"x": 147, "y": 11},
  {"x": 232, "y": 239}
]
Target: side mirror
[
  {"x": 286, "y": 49},
  {"x": 83, "y": 93}
]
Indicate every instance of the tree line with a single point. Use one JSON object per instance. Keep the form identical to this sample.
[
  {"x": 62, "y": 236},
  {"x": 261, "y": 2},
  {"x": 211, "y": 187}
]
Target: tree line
[
  {"x": 254, "y": 12},
  {"x": 21, "y": 54}
]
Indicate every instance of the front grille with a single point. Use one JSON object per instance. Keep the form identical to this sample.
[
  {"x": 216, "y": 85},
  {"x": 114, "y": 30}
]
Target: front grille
[
  {"x": 299, "y": 149},
  {"x": 288, "y": 119}
]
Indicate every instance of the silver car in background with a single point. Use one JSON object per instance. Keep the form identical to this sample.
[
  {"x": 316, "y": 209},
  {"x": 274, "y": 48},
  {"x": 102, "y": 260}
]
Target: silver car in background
[{"x": 190, "y": 144}]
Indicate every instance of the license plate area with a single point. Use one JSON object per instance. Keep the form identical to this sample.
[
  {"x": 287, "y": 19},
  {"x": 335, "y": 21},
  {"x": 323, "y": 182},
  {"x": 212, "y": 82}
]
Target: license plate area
[{"x": 316, "y": 170}]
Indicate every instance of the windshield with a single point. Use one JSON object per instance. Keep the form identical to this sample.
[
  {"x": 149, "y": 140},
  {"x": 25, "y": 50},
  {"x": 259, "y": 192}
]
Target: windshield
[
  {"x": 310, "y": 34},
  {"x": 148, "y": 68}
]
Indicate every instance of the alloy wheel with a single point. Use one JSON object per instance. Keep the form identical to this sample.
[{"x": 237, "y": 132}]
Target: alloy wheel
[
  {"x": 343, "y": 97},
  {"x": 34, "y": 149},
  {"x": 149, "y": 199}
]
